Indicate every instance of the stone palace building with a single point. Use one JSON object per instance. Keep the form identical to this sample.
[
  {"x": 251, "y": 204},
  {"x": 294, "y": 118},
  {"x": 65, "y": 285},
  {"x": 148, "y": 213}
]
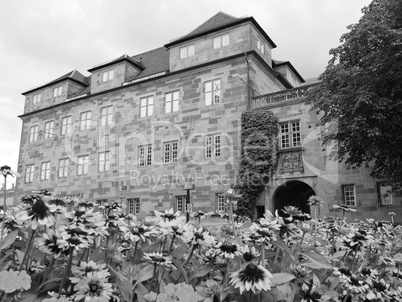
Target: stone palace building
[{"x": 140, "y": 129}]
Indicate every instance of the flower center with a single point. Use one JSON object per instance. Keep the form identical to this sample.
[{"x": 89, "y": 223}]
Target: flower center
[
  {"x": 39, "y": 207},
  {"x": 169, "y": 216},
  {"x": 93, "y": 288},
  {"x": 229, "y": 248}
]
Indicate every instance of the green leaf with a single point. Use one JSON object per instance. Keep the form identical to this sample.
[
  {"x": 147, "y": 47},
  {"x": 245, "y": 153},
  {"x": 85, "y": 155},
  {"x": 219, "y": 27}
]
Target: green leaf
[
  {"x": 9, "y": 239},
  {"x": 29, "y": 297},
  {"x": 281, "y": 278},
  {"x": 318, "y": 260},
  {"x": 180, "y": 269},
  {"x": 55, "y": 280},
  {"x": 202, "y": 271},
  {"x": 145, "y": 274}
]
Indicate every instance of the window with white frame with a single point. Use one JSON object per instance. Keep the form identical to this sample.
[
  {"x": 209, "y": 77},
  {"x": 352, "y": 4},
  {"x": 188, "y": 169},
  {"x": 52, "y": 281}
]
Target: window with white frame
[
  {"x": 133, "y": 206},
  {"x": 29, "y": 173},
  {"x": 57, "y": 91},
  {"x": 172, "y": 102},
  {"x": 146, "y": 106},
  {"x": 221, "y": 41},
  {"x": 48, "y": 130},
  {"x": 85, "y": 120},
  {"x": 349, "y": 195},
  {"x": 220, "y": 202},
  {"x": 290, "y": 135},
  {"x": 36, "y": 98},
  {"x": 213, "y": 144},
  {"x": 170, "y": 151},
  {"x": 212, "y": 92},
  {"x": 145, "y": 155},
  {"x": 186, "y": 51},
  {"x": 66, "y": 125},
  {"x": 260, "y": 45},
  {"x": 33, "y": 133},
  {"x": 45, "y": 171},
  {"x": 385, "y": 193},
  {"x": 82, "y": 165},
  {"x": 181, "y": 203},
  {"x": 107, "y": 75},
  {"x": 106, "y": 115},
  {"x": 104, "y": 161},
  {"x": 64, "y": 166}
]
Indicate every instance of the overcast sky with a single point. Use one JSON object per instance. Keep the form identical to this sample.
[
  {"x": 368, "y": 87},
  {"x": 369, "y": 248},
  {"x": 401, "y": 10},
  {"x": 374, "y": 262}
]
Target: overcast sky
[{"x": 41, "y": 40}]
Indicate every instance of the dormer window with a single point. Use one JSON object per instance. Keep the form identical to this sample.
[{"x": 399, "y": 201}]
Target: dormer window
[
  {"x": 187, "y": 51},
  {"x": 260, "y": 45},
  {"x": 107, "y": 75},
  {"x": 57, "y": 91},
  {"x": 221, "y": 41},
  {"x": 36, "y": 98}
]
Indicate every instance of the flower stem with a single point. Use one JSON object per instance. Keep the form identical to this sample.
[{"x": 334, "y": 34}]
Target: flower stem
[
  {"x": 171, "y": 244},
  {"x": 27, "y": 250},
  {"x": 47, "y": 272},
  {"x": 189, "y": 256},
  {"x": 67, "y": 271},
  {"x": 135, "y": 249}
]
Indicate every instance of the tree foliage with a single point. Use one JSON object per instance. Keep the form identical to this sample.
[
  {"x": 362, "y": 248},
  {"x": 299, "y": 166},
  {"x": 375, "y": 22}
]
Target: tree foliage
[
  {"x": 360, "y": 93},
  {"x": 258, "y": 157}
]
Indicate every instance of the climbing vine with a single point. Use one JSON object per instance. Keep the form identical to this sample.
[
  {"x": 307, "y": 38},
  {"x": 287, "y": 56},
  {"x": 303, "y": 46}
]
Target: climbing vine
[{"x": 258, "y": 157}]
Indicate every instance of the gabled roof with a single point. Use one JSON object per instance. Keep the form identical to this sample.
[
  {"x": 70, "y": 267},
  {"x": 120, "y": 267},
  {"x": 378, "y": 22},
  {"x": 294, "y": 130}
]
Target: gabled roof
[
  {"x": 118, "y": 60},
  {"x": 276, "y": 63},
  {"x": 218, "y": 22},
  {"x": 154, "y": 61},
  {"x": 74, "y": 75}
]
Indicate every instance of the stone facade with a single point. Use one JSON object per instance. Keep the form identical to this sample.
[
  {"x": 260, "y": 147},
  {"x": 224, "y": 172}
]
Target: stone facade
[{"x": 141, "y": 129}]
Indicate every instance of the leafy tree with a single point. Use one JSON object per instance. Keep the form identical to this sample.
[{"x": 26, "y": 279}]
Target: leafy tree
[{"x": 360, "y": 93}]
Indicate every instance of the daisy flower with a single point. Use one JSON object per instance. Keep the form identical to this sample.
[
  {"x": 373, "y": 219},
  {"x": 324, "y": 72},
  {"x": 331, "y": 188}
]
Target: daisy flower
[
  {"x": 49, "y": 244},
  {"x": 93, "y": 287},
  {"x": 36, "y": 214},
  {"x": 226, "y": 250},
  {"x": 72, "y": 236},
  {"x": 309, "y": 293},
  {"x": 159, "y": 259},
  {"x": 140, "y": 233},
  {"x": 168, "y": 218},
  {"x": 249, "y": 252},
  {"x": 252, "y": 277}
]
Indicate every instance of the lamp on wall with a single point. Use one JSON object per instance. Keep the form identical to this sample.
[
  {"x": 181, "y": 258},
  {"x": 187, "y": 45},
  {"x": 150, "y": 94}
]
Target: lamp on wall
[{"x": 188, "y": 186}]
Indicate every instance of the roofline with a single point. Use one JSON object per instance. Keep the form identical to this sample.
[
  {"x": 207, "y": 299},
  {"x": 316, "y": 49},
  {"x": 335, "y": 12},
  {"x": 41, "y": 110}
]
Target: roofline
[
  {"x": 237, "y": 22},
  {"x": 118, "y": 60},
  {"x": 168, "y": 74},
  {"x": 54, "y": 82},
  {"x": 291, "y": 68}
]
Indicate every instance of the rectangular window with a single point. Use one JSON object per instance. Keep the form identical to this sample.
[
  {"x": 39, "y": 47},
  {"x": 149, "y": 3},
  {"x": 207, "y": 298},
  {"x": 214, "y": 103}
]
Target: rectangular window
[
  {"x": 106, "y": 115},
  {"x": 104, "y": 161},
  {"x": 170, "y": 152},
  {"x": 133, "y": 205},
  {"x": 181, "y": 203},
  {"x": 29, "y": 173},
  {"x": 290, "y": 135},
  {"x": 212, "y": 92},
  {"x": 85, "y": 120},
  {"x": 213, "y": 146},
  {"x": 172, "y": 102},
  {"x": 147, "y": 106},
  {"x": 107, "y": 75},
  {"x": 64, "y": 165},
  {"x": 145, "y": 155},
  {"x": 33, "y": 133},
  {"x": 82, "y": 166},
  {"x": 45, "y": 171},
  {"x": 36, "y": 98},
  {"x": 66, "y": 125},
  {"x": 220, "y": 202},
  {"x": 57, "y": 91},
  {"x": 49, "y": 130},
  {"x": 349, "y": 195},
  {"x": 221, "y": 41},
  {"x": 260, "y": 45},
  {"x": 384, "y": 193},
  {"x": 187, "y": 51}
]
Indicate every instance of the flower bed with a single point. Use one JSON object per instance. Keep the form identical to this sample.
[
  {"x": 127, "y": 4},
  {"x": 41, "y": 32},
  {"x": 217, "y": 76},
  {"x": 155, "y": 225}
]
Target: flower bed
[{"x": 65, "y": 250}]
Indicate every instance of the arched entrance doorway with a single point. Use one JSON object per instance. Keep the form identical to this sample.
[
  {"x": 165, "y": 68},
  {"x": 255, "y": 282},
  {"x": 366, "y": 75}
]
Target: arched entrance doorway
[{"x": 293, "y": 193}]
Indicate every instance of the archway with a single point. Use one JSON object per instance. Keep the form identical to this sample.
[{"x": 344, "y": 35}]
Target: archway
[{"x": 293, "y": 193}]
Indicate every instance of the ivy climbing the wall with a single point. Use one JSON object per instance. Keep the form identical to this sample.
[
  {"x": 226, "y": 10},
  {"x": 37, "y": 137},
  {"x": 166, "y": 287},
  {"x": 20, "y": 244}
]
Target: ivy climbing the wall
[{"x": 258, "y": 157}]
